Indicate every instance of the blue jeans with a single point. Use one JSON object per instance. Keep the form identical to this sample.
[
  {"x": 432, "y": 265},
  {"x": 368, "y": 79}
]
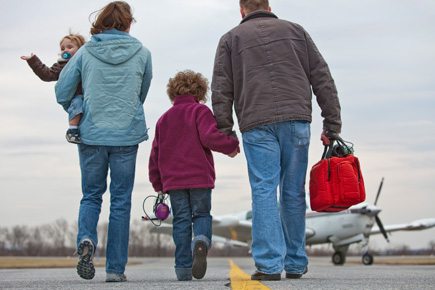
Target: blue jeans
[
  {"x": 76, "y": 107},
  {"x": 189, "y": 206},
  {"x": 95, "y": 162},
  {"x": 277, "y": 155}
]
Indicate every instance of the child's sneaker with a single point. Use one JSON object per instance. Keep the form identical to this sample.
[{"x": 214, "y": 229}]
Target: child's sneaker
[
  {"x": 199, "y": 265},
  {"x": 85, "y": 267},
  {"x": 110, "y": 277},
  {"x": 73, "y": 136}
]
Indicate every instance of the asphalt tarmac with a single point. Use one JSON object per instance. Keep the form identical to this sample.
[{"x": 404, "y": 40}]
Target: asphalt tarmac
[{"x": 229, "y": 273}]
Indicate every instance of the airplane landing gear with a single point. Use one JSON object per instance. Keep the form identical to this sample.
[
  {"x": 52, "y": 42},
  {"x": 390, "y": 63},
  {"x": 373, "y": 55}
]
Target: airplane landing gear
[
  {"x": 338, "y": 258},
  {"x": 367, "y": 259}
]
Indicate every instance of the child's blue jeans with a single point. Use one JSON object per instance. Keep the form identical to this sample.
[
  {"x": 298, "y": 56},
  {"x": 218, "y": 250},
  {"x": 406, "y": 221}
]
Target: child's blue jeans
[
  {"x": 76, "y": 107},
  {"x": 190, "y": 207}
]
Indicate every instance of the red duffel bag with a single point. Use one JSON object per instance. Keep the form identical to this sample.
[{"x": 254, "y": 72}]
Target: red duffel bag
[{"x": 336, "y": 181}]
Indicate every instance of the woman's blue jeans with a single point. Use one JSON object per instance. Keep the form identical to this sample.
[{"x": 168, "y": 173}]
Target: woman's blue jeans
[
  {"x": 189, "y": 206},
  {"x": 277, "y": 155},
  {"x": 95, "y": 162}
]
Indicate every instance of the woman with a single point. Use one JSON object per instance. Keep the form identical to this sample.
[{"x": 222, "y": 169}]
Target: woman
[{"x": 115, "y": 71}]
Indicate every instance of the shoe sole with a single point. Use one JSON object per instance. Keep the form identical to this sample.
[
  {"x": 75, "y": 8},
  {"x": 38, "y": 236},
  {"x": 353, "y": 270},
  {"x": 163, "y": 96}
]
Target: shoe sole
[
  {"x": 267, "y": 277},
  {"x": 116, "y": 280},
  {"x": 199, "y": 266},
  {"x": 85, "y": 267},
  {"x": 70, "y": 140}
]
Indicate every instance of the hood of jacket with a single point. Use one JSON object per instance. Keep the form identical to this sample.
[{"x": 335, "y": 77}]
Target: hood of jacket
[{"x": 113, "y": 46}]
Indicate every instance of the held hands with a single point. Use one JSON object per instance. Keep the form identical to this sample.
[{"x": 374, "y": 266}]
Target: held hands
[
  {"x": 24, "y": 57},
  {"x": 233, "y": 154}
]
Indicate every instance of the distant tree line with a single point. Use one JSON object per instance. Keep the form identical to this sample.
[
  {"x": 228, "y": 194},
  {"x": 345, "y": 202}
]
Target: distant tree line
[{"x": 59, "y": 239}]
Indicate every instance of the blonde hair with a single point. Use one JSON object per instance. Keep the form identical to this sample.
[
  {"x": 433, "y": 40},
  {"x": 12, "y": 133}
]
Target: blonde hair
[
  {"x": 116, "y": 15},
  {"x": 188, "y": 82},
  {"x": 75, "y": 37}
]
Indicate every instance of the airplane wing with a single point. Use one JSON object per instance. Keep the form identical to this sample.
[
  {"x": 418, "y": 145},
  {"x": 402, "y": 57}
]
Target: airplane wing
[
  {"x": 226, "y": 229},
  {"x": 413, "y": 226}
]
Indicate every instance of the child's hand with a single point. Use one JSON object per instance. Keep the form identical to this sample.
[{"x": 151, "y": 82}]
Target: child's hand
[
  {"x": 24, "y": 57},
  {"x": 233, "y": 154}
]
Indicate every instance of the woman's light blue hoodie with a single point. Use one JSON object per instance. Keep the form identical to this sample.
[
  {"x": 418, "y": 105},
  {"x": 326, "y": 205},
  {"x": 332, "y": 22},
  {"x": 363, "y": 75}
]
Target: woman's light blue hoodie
[{"x": 115, "y": 70}]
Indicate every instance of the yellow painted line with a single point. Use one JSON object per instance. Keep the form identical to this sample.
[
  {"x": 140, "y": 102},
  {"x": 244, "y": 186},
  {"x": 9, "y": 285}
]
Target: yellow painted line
[
  {"x": 241, "y": 280},
  {"x": 234, "y": 235}
]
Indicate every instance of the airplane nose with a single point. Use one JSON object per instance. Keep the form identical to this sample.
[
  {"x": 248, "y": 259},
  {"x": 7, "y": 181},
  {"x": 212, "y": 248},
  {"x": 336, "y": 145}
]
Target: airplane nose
[{"x": 368, "y": 210}]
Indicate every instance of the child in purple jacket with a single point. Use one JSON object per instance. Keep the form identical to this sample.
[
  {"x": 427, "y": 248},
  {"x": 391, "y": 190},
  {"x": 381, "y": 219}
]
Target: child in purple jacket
[{"x": 181, "y": 164}]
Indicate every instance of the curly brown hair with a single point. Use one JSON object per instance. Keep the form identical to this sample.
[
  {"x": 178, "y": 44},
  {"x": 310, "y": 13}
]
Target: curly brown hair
[{"x": 188, "y": 82}]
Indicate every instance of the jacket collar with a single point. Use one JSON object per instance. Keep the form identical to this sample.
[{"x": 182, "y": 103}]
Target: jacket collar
[
  {"x": 258, "y": 14},
  {"x": 185, "y": 99}
]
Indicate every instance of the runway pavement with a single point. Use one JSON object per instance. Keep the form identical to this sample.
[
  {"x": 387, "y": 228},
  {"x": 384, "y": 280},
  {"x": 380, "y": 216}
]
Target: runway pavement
[{"x": 227, "y": 273}]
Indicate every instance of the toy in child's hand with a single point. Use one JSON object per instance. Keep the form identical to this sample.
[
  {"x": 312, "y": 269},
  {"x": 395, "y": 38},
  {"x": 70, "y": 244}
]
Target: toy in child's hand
[{"x": 66, "y": 55}]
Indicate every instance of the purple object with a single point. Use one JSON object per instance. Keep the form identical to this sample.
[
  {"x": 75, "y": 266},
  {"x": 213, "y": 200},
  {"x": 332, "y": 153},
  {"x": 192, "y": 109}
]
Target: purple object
[{"x": 162, "y": 211}]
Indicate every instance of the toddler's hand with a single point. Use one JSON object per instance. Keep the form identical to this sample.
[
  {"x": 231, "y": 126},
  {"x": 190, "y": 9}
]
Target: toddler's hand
[{"x": 24, "y": 57}]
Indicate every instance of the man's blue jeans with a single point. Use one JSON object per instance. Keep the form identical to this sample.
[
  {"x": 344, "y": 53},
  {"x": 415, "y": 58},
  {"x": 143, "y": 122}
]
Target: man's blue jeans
[
  {"x": 189, "y": 206},
  {"x": 95, "y": 162},
  {"x": 277, "y": 155}
]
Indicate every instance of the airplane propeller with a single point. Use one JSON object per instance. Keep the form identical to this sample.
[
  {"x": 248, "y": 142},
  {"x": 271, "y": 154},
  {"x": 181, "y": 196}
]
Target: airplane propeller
[
  {"x": 373, "y": 210},
  {"x": 381, "y": 227},
  {"x": 378, "y": 220},
  {"x": 379, "y": 191}
]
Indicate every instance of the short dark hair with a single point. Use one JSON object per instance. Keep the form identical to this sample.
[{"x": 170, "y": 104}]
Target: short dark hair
[{"x": 254, "y": 5}]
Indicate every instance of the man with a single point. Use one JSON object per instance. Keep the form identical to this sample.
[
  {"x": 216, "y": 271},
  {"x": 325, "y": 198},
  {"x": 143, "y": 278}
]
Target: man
[{"x": 266, "y": 68}]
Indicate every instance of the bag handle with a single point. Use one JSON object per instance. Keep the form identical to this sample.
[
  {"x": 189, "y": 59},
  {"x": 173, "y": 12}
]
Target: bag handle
[{"x": 333, "y": 136}]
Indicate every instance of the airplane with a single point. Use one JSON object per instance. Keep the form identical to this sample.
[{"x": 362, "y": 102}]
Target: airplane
[{"x": 341, "y": 229}]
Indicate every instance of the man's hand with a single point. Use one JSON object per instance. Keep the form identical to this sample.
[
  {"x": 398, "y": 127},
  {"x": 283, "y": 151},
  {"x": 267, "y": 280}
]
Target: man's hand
[
  {"x": 233, "y": 154},
  {"x": 324, "y": 139}
]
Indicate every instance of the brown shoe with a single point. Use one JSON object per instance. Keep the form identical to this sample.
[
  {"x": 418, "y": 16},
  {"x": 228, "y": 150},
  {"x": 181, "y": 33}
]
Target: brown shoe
[
  {"x": 295, "y": 276},
  {"x": 266, "y": 277}
]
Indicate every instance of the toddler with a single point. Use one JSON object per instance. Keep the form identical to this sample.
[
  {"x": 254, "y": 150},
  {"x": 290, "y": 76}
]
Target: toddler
[{"x": 68, "y": 47}]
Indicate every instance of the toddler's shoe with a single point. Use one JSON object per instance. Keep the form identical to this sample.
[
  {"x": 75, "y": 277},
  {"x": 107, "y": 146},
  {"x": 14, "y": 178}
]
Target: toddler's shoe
[
  {"x": 199, "y": 266},
  {"x": 73, "y": 136},
  {"x": 85, "y": 267}
]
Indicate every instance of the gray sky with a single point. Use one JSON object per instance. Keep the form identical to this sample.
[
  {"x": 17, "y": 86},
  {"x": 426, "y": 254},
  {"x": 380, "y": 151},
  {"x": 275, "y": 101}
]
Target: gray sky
[{"x": 380, "y": 54}]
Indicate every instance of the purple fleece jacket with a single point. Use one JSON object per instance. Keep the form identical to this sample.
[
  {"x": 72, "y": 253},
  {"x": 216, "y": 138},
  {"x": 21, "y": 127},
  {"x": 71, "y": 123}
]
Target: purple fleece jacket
[{"x": 181, "y": 154}]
